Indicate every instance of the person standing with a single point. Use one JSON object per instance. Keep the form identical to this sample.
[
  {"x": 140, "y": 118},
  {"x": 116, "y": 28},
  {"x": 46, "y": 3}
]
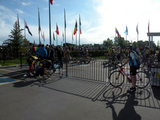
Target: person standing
[
  {"x": 60, "y": 56},
  {"x": 133, "y": 67}
]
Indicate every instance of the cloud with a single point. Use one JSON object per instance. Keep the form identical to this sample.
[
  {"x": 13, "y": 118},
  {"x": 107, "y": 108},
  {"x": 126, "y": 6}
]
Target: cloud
[
  {"x": 26, "y": 3},
  {"x": 19, "y": 11},
  {"x": 118, "y": 14}
]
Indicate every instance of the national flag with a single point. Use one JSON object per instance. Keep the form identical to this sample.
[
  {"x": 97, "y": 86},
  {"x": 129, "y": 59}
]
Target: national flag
[
  {"x": 51, "y": 2},
  {"x": 137, "y": 29},
  {"x": 26, "y": 26},
  {"x": 75, "y": 28},
  {"x": 80, "y": 25},
  {"x": 57, "y": 31},
  {"x": 53, "y": 36},
  {"x": 39, "y": 28},
  {"x": 126, "y": 30},
  {"x": 117, "y": 32}
]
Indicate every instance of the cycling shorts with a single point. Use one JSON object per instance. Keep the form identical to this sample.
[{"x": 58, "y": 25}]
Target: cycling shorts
[{"x": 133, "y": 70}]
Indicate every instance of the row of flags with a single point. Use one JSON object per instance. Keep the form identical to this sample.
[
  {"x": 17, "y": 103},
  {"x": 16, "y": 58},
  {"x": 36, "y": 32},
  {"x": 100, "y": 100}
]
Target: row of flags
[
  {"x": 126, "y": 31},
  {"x": 57, "y": 29}
]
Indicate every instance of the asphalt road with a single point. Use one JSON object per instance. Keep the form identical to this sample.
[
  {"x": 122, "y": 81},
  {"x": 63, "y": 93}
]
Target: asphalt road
[{"x": 71, "y": 98}]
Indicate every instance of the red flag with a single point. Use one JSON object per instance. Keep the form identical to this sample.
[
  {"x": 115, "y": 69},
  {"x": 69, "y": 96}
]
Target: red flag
[
  {"x": 51, "y": 2},
  {"x": 57, "y": 31}
]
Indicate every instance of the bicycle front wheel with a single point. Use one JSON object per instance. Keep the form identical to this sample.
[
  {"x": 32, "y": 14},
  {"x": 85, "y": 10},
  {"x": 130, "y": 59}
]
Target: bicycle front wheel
[
  {"x": 116, "y": 78},
  {"x": 142, "y": 79}
]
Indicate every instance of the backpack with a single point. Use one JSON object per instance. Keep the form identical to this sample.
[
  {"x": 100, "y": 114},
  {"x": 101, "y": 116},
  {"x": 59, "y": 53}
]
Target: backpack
[{"x": 138, "y": 60}]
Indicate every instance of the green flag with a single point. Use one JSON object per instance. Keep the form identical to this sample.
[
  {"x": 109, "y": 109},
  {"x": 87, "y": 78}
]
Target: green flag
[{"x": 53, "y": 36}]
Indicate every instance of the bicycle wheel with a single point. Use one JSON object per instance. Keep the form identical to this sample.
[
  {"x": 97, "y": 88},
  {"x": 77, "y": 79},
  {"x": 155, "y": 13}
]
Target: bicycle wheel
[
  {"x": 142, "y": 79},
  {"x": 116, "y": 78}
]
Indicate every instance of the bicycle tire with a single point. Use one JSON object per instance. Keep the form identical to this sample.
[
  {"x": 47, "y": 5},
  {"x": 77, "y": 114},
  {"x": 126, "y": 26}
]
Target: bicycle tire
[
  {"x": 142, "y": 79},
  {"x": 114, "y": 81}
]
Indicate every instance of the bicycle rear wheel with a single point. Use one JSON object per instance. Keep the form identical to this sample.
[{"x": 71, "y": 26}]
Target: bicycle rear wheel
[
  {"x": 116, "y": 78},
  {"x": 142, "y": 79}
]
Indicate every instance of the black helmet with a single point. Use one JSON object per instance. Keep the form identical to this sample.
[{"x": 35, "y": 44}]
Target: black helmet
[{"x": 129, "y": 47}]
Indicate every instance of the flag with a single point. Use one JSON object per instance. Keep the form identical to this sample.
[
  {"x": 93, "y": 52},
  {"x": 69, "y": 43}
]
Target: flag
[
  {"x": 39, "y": 28},
  {"x": 26, "y": 26},
  {"x": 126, "y": 30},
  {"x": 148, "y": 27},
  {"x": 117, "y": 32},
  {"x": 137, "y": 29},
  {"x": 53, "y": 36},
  {"x": 64, "y": 19},
  {"x": 51, "y": 2},
  {"x": 57, "y": 31},
  {"x": 75, "y": 28},
  {"x": 80, "y": 25}
]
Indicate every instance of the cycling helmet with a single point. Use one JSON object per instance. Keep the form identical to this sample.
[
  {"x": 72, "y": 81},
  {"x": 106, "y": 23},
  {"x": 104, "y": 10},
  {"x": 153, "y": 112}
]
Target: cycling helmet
[{"x": 129, "y": 47}]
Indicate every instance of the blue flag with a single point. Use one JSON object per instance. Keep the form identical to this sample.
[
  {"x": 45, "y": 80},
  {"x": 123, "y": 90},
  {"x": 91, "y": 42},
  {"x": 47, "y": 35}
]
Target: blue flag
[
  {"x": 26, "y": 26},
  {"x": 126, "y": 30}
]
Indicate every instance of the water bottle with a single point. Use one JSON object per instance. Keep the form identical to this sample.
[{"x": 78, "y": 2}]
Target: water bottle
[{"x": 128, "y": 74}]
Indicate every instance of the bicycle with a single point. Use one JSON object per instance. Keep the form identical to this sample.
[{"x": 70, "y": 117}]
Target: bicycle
[{"x": 116, "y": 78}]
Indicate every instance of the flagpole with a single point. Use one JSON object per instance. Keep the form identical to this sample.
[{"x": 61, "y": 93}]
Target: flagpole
[
  {"x": 39, "y": 25},
  {"x": 49, "y": 23},
  {"x": 65, "y": 25},
  {"x": 76, "y": 37},
  {"x": 24, "y": 30},
  {"x": 79, "y": 29}
]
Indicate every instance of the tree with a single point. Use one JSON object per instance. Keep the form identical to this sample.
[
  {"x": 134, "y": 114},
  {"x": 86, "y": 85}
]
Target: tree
[
  {"x": 15, "y": 39},
  {"x": 119, "y": 41},
  {"x": 108, "y": 42}
]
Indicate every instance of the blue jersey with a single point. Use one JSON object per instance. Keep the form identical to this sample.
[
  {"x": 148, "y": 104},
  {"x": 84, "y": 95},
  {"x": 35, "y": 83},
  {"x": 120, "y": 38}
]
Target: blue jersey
[
  {"x": 132, "y": 59},
  {"x": 42, "y": 52}
]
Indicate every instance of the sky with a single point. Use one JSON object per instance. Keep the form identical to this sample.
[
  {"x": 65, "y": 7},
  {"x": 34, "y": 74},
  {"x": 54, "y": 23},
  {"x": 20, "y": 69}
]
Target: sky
[{"x": 99, "y": 18}]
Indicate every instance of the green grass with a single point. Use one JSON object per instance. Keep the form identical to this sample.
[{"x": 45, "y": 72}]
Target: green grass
[
  {"x": 15, "y": 61},
  {"x": 99, "y": 57}
]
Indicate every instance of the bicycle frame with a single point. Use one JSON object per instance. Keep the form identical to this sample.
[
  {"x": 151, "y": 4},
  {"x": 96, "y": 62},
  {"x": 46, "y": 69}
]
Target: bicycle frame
[{"x": 121, "y": 71}]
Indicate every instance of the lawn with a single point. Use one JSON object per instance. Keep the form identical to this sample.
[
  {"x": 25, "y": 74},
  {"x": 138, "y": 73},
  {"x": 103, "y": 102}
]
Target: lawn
[{"x": 15, "y": 61}]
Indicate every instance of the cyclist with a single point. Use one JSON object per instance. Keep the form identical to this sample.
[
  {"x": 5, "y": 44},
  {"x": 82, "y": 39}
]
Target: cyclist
[
  {"x": 60, "y": 54},
  {"x": 133, "y": 69},
  {"x": 31, "y": 60},
  {"x": 51, "y": 56},
  {"x": 86, "y": 53},
  {"x": 82, "y": 53},
  {"x": 66, "y": 54},
  {"x": 119, "y": 53},
  {"x": 113, "y": 55},
  {"x": 158, "y": 56},
  {"x": 42, "y": 54},
  {"x": 147, "y": 52}
]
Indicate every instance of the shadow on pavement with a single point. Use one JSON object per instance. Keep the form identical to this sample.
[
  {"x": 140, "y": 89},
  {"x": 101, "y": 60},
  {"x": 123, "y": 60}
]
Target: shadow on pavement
[{"x": 156, "y": 92}]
